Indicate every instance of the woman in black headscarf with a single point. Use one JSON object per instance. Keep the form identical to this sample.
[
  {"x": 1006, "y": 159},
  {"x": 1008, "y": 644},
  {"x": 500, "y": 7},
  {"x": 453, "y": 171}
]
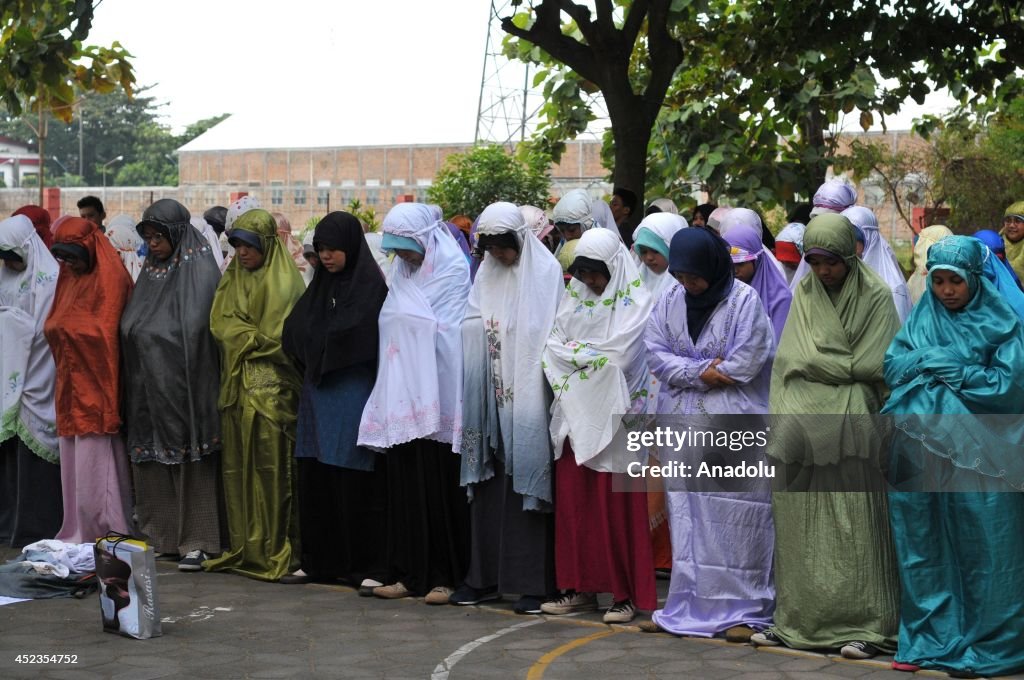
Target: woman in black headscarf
[
  {"x": 332, "y": 336},
  {"x": 171, "y": 382}
]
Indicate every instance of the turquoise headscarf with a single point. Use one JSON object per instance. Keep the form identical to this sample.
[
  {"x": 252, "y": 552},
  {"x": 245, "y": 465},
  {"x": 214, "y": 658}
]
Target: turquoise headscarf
[{"x": 964, "y": 362}]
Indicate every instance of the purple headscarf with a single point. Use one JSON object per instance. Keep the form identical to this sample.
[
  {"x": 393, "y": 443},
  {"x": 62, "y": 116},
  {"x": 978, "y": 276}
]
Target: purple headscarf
[
  {"x": 459, "y": 237},
  {"x": 835, "y": 195},
  {"x": 769, "y": 283}
]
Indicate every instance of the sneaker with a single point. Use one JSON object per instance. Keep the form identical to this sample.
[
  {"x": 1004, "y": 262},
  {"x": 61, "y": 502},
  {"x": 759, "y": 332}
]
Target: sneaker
[
  {"x": 739, "y": 634},
  {"x": 620, "y": 612},
  {"x": 528, "y": 604},
  {"x": 571, "y": 602},
  {"x": 367, "y": 586},
  {"x": 439, "y": 595},
  {"x": 857, "y": 650},
  {"x": 193, "y": 561},
  {"x": 765, "y": 638},
  {"x": 467, "y": 595},
  {"x": 392, "y": 592}
]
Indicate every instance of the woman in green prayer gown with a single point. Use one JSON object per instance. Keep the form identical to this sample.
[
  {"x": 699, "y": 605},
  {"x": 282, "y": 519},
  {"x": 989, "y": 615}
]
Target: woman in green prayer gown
[
  {"x": 259, "y": 398},
  {"x": 958, "y": 513},
  {"x": 835, "y": 568}
]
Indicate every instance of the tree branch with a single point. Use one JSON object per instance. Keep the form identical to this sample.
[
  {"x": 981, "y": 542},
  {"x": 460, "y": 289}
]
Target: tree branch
[{"x": 546, "y": 33}]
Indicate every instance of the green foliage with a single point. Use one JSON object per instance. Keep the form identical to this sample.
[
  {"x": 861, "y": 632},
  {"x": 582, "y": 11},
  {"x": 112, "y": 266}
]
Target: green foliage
[
  {"x": 763, "y": 88},
  {"x": 365, "y": 214},
  {"x": 971, "y": 165},
  {"x": 43, "y": 63},
  {"x": 470, "y": 182},
  {"x": 112, "y": 125}
]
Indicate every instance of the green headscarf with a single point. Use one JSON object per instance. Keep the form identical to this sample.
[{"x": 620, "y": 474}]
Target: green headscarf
[
  {"x": 830, "y": 356},
  {"x": 247, "y": 318},
  {"x": 1014, "y": 251}
]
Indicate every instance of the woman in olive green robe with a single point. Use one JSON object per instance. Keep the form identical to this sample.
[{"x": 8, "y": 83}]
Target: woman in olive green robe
[
  {"x": 836, "y": 581},
  {"x": 258, "y": 402}
]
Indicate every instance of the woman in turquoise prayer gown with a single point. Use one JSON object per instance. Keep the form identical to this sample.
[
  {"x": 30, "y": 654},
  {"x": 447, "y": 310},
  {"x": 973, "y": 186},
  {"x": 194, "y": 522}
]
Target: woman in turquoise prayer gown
[{"x": 956, "y": 370}]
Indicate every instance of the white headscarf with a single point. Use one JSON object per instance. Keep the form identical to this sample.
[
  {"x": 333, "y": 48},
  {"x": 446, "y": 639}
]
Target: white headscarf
[
  {"x": 239, "y": 208},
  {"x": 793, "y": 233},
  {"x": 664, "y": 225},
  {"x": 508, "y": 319},
  {"x": 575, "y": 208},
  {"x": 879, "y": 256},
  {"x": 595, "y": 357},
  {"x": 917, "y": 284},
  {"x": 211, "y": 236},
  {"x": 418, "y": 393},
  {"x": 537, "y": 220},
  {"x": 126, "y": 241},
  {"x": 835, "y": 196},
  {"x": 664, "y": 205},
  {"x": 716, "y": 217},
  {"x": 26, "y": 364}
]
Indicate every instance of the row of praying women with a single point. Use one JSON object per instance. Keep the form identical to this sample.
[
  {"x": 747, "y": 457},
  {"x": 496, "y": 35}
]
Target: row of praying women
[{"x": 416, "y": 434}]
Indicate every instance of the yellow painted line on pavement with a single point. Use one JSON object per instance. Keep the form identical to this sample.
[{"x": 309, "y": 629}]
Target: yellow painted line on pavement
[{"x": 537, "y": 669}]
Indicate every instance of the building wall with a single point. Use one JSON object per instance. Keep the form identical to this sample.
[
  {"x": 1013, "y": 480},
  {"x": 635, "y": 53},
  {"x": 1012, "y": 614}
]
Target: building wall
[{"x": 303, "y": 183}]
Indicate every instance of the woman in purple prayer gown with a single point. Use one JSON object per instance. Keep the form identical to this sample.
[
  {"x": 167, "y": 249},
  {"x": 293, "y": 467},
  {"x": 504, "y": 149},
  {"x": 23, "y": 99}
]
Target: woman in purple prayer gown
[
  {"x": 710, "y": 344},
  {"x": 754, "y": 268}
]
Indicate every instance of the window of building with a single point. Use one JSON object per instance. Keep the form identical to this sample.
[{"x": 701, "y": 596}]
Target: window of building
[
  {"x": 372, "y": 197},
  {"x": 300, "y": 195},
  {"x": 323, "y": 196},
  {"x": 276, "y": 194}
]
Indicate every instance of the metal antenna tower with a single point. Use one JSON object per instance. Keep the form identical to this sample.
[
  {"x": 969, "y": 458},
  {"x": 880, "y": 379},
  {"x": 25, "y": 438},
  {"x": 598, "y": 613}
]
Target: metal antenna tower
[{"x": 508, "y": 104}]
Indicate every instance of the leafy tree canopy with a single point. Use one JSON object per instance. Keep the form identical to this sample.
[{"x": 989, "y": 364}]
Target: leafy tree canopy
[
  {"x": 757, "y": 89},
  {"x": 470, "y": 182}
]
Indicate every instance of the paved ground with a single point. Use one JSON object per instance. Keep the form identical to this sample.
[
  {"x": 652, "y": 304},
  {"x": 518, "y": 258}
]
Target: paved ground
[{"x": 219, "y": 626}]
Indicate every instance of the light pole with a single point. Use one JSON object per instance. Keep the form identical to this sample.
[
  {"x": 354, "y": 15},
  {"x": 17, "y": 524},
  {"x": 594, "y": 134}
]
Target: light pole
[
  {"x": 113, "y": 160},
  {"x": 62, "y": 166}
]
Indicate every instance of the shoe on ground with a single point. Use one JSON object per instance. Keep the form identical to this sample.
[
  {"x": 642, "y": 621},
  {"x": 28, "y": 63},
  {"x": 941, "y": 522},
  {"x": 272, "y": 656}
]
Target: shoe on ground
[
  {"x": 193, "y": 561},
  {"x": 439, "y": 595},
  {"x": 466, "y": 595},
  {"x": 166, "y": 557},
  {"x": 571, "y": 602},
  {"x": 620, "y": 612},
  {"x": 295, "y": 579},
  {"x": 367, "y": 586},
  {"x": 765, "y": 638},
  {"x": 965, "y": 673},
  {"x": 857, "y": 650},
  {"x": 394, "y": 591},
  {"x": 739, "y": 634},
  {"x": 905, "y": 667},
  {"x": 528, "y": 604},
  {"x": 663, "y": 574},
  {"x": 650, "y": 627}
]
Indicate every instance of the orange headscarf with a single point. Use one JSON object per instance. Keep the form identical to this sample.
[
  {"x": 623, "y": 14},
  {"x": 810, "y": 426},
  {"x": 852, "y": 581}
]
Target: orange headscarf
[{"x": 82, "y": 330}]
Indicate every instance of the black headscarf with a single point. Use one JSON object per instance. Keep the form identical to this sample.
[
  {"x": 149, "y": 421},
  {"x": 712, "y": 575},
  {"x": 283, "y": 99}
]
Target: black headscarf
[
  {"x": 705, "y": 210},
  {"x": 705, "y": 254},
  {"x": 171, "y": 361},
  {"x": 334, "y": 323}
]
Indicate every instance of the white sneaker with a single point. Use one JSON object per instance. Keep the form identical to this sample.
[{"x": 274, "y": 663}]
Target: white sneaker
[
  {"x": 620, "y": 612},
  {"x": 571, "y": 602},
  {"x": 858, "y": 650},
  {"x": 765, "y": 638}
]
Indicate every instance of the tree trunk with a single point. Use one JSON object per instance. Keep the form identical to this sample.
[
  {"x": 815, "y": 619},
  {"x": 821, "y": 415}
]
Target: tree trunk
[
  {"x": 42, "y": 152},
  {"x": 631, "y": 129}
]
